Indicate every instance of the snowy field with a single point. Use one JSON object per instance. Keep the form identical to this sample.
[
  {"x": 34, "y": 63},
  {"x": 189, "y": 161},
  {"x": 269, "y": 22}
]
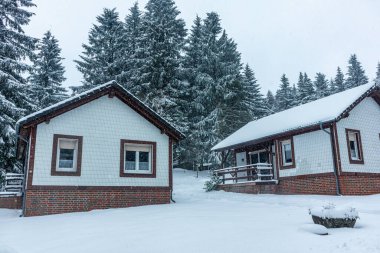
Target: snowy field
[{"x": 198, "y": 222}]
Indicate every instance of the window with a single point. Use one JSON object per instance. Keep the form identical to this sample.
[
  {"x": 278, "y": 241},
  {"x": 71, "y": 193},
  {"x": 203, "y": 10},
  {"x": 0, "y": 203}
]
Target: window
[
  {"x": 261, "y": 156},
  {"x": 67, "y": 155},
  {"x": 354, "y": 146},
  {"x": 137, "y": 158},
  {"x": 287, "y": 154}
]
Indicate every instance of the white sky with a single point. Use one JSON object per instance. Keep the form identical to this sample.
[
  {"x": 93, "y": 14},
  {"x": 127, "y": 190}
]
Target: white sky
[{"x": 273, "y": 36}]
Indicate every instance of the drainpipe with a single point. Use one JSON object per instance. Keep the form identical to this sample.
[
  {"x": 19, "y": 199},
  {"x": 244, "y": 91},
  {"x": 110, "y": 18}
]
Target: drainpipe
[
  {"x": 25, "y": 172},
  {"x": 333, "y": 158}
]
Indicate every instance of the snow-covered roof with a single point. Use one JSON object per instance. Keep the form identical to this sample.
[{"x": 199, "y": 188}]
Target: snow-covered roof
[
  {"x": 323, "y": 110},
  {"x": 112, "y": 84}
]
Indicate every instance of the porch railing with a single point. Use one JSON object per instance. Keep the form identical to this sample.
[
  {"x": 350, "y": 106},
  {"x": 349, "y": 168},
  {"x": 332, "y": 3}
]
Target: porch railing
[{"x": 250, "y": 172}]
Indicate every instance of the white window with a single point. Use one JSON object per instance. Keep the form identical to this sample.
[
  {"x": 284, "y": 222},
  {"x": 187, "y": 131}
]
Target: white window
[
  {"x": 354, "y": 146},
  {"x": 287, "y": 152},
  {"x": 261, "y": 156},
  {"x": 137, "y": 158},
  {"x": 67, "y": 155}
]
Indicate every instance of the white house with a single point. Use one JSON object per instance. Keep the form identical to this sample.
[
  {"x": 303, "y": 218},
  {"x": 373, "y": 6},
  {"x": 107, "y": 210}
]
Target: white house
[
  {"x": 328, "y": 146},
  {"x": 101, "y": 149}
]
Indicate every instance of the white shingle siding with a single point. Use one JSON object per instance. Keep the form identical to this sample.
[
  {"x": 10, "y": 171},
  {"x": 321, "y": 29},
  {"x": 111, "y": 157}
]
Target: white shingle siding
[
  {"x": 366, "y": 118},
  {"x": 313, "y": 154},
  {"x": 102, "y": 123}
]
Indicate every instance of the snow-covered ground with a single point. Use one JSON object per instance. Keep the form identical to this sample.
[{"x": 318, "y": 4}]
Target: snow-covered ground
[{"x": 198, "y": 222}]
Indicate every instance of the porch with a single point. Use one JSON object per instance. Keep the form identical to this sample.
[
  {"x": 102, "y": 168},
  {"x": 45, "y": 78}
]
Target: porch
[{"x": 258, "y": 173}]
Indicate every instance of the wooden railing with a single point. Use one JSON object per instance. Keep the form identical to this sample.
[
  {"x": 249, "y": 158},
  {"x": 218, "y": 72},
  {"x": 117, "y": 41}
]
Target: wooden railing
[
  {"x": 250, "y": 172},
  {"x": 14, "y": 182}
]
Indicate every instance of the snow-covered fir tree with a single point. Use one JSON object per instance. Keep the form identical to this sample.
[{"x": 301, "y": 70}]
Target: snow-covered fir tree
[
  {"x": 254, "y": 99},
  {"x": 162, "y": 43},
  {"x": 131, "y": 50},
  {"x": 102, "y": 58},
  {"x": 356, "y": 74},
  {"x": 295, "y": 96},
  {"x": 195, "y": 109},
  {"x": 15, "y": 48},
  {"x": 377, "y": 78},
  {"x": 339, "y": 83},
  {"x": 48, "y": 73},
  {"x": 321, "y": 86},
  {"x": 306, "y": 92},
  {"x": 284, "y": 99},
  {"x": 270, "y": 102}
]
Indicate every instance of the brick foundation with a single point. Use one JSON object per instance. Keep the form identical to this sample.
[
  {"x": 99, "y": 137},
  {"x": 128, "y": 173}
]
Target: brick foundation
[
  {"x": 54, "y": 200},
  {"x": 359, "y": 184},
  {"x": 11, "y": 202},
  {"x": 321, "y": 184}
]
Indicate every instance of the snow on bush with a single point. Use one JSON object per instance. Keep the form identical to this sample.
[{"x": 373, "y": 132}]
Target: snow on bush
[
  {"x": 331, "y": 212},
  {"x": 212, "y": 183},
  {"x": 2, "y": 180}
]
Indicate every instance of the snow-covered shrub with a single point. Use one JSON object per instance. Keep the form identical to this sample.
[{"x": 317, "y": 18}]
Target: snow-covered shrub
[
  {"x": 332, "y": 217},
  {"x": 212, "y": 184},
  {"x": 2, "y": 180}
]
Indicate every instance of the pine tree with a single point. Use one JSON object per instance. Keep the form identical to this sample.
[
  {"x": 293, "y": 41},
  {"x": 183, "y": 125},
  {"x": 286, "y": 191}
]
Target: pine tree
[
  {"x": 306, "y": 92},
  {"x": 294, "y": 96},
  {"x": 356, "y": 74},
  {"x": 195, "y": 109},
  {"x": 377, "y": 78},
  {"x": 321, "y": 86},
  {"x": 163, "y": 41},
  {"x": 339, "y": 83},
  {"x": 102, "y": 58},
  {"x": 131, "y": 50},
  {"x": 270, "y": 102},
  {"x": 47, "y": 75},
  {"x": 254, "y": 99},
  {"x": 284, "y": 98},
  {"x": 15, "y": 48}
]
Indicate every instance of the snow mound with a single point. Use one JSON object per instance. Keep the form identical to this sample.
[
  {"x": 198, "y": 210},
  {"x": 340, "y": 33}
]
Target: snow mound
[
  {"x": 315, "y": 229},
  {"x": 331, "y": 212}
]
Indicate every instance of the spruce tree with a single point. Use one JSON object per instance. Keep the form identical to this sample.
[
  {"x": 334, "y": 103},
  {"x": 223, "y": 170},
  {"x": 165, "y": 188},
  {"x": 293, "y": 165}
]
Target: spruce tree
[
  {"x": 15, "y": 48},
  {"x": 270, "y": 102},
  {"x": 377, "y": 78},
  {"x": 306, "y": 92},
  {"x": 321, "y": 86},
  {"x": 356, "y": 74},
  {"x": 294, "y": 96},
  {"x": 339, "y": 83},
  {"x": 163, "y": 41},
  {"x": 254, "y": 99},
  {"x": 195, "y": 109},
  {"x": 102, "y": 59},
  {"x": 284, "y": 99},
  {"x": 47, "y": 75},
  {"x": 131, "y": 51}
]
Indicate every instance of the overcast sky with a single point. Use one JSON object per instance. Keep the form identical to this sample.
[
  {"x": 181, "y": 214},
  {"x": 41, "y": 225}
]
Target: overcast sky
[{"x": 273, "y": 36}]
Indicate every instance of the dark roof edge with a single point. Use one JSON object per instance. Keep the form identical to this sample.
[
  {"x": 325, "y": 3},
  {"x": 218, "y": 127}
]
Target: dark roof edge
[
  {"x": 300, "y": 129},
  {"x": 70, "y": 101}
]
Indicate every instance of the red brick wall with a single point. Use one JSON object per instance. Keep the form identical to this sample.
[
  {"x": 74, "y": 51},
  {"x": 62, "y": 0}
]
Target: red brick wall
[
  {"x": 322, "y": 184},
  {"x": 54, "y": 200},
  {"x": 249, "y": 188},
  {"x": 359, "y": 184},
  {"x": 11, "y": 202}
]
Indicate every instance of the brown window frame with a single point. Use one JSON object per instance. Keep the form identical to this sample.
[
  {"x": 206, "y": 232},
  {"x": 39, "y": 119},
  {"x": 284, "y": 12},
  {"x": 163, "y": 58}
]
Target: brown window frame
[
  {"x": 122, "y": 154},
  {"x": 280, "y": 157},
  {"x": 360, "y": 146},
  {"x": 54, "y": 158}
]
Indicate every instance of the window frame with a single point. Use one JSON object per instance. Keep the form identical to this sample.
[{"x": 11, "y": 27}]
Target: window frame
[
  {"x": 283, "y": 165},
  {"x": 77, "y": 156},
  {"x": 258, "y": 152},
  {"x": 152, "y": 173},
  {"x": 359, "y": 146}
]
